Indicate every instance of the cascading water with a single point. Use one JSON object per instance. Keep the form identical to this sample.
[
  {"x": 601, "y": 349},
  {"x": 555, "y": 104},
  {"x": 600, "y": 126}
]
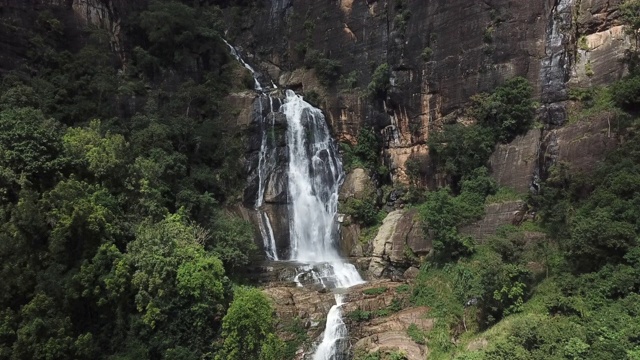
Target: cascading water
[
  {"x": 314, "y": 176},
  {"x": 266, "y": 159},
  {"x": 254, "y": 73},
  {"x": 335, "y": 332},
  {"x": 555, "y": 66},
  {"x": 266, "y": 164}
]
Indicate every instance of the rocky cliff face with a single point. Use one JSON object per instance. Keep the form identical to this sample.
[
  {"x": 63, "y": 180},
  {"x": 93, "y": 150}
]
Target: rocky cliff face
[{"x": 440, "y": 54}]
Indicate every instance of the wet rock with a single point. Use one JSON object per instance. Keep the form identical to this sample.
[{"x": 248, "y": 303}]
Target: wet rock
[
  {"x": 513, "y": 165},
  {"x": 350, "y": 240},
  {"x": 582, "y": 145},
  {"x": 391, "y": 341},
  {"x": 357, "y": 251},
  {"x": 279, "y": 216}
]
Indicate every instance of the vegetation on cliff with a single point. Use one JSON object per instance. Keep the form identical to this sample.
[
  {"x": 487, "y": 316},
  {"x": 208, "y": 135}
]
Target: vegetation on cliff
[{"x": 563, "y": 285}]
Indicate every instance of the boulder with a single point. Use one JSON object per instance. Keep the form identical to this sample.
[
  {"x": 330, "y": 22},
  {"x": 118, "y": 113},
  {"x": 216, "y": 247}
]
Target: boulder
[
  {"x": 399, "y": 241},
  {"x": 411, "y": 273},
  {"x": 356, "y": 184}
]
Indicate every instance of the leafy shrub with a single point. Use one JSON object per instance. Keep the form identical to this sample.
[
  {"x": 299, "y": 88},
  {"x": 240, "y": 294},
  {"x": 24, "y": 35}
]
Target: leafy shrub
[
  {"x": 426, "y": 54},
  {"x": 328, "y": 70},
  {"x": 459, "y": 150},
  {"x": 365, "y": 153},
  {"x": 380, "y": 83},
  {"x": 363, "y": 209},
  {"x": 359, "y": 315},
  {"x": 503, "y": 194},
  {"x": 417, "y": 335},
  {"x": 375, "y": 291},
  {"x": 246, "y": 326},
  {"x": 349, "y": 81},
  {"x": 442, "y": 214},
  {"x": 508, "y": 111},
  {"x": 626, "y": 92}
]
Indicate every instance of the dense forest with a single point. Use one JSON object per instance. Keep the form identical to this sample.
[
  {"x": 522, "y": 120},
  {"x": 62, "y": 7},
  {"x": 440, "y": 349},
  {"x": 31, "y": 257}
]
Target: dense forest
[
  {"x": 114, "y": 238},
  {"x": 117, "y": 170}
]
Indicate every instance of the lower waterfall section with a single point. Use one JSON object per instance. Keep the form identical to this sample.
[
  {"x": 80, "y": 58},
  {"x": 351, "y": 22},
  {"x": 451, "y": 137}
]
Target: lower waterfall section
[{"x": 334, "y": 334}]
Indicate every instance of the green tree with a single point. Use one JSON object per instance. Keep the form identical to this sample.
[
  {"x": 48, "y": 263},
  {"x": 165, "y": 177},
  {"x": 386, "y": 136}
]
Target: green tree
[
  {"x": 30, "y": 146},
  {"x": 173, "y": 271},
  {"x": 246, "y": 326},
  {"x": 273, "y": 348},
  {"x": 630, "y": 14},
  {"x": 380, "y": 83},
  {"x": 176, "y": 31},
  {"x": 81, "y": 215},
  {"x": 232, "y": 240},
  {"x": 45, "y": 333},
  {"x": 508, "y": 111},
  {"x": 103, "y": 156}
]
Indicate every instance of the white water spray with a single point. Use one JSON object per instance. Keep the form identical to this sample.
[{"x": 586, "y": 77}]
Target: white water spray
[{"x": 266, "y": 164}]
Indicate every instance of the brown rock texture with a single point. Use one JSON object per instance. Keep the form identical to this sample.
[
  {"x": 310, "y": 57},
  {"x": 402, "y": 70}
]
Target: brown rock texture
[
  {"x": 399, "y": 241},
  {"x": 582, "y": 145},
  {"x": 309, "y": 307},
  {"x": 521, "y": 164},
  {"x": 356, "y": 184},
  {"x": 496, "y": 215},
  {"x": 472, "y": 47},
  {"x": 601, "y": 43},
  {"x": 513, "y": 165}
]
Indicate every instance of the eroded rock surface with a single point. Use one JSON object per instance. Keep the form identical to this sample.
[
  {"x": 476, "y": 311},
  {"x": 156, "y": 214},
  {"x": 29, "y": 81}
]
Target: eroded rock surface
[
  {"x": 496, "y": 215},
  {"x": 385, "y": 302},
  {"x": 356, "y": 184},
  {"x": 399, "y": 241}
]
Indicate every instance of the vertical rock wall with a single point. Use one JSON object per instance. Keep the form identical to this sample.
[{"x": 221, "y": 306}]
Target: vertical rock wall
[{"x": 440, "y": 54}]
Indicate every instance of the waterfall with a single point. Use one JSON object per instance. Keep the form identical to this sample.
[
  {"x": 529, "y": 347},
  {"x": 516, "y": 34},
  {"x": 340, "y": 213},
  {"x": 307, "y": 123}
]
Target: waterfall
[
  {"x": 266, "y": 164},
  {"x": 555, "y": 67},
  {"x": 266, "y": 158},
  {"x": 254, "y": 73},
  {"x": 315, "y": 175}
]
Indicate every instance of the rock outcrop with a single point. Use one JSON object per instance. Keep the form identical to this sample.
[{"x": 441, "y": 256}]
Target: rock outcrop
[
  {"x": 439, "y": 56},
  {"x": 521, "y": 164},
  {"x": 496, "y": 215},
  {"x": 515, "y": 165},
  {"x": 373, "y": 312},
  {"x": 356, "y": 184},
  {"x": 399, "y": 242}
]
